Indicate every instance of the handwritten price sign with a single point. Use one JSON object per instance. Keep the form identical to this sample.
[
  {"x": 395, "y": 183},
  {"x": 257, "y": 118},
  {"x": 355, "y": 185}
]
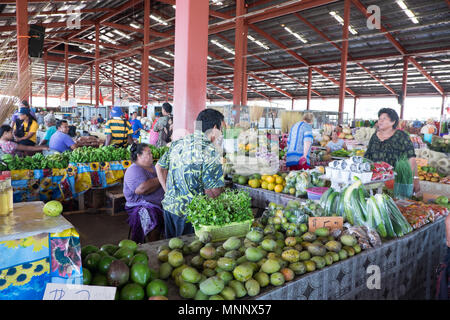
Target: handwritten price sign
[
  {"x": 332, "y": 223},
  {"x": 59, "y": 291}
]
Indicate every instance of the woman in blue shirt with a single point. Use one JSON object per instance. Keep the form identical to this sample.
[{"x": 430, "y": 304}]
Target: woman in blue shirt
[
  {"x": 335, "y": 143},
  {"x": 299, "y": 143}
]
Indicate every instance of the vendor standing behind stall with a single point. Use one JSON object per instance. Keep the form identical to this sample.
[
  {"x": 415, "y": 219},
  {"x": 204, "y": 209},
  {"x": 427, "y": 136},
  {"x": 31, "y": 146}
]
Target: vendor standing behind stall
[
  {"x": 136, "y": 126},
  {"x": 335, "y": 143},
  {"x": 7, "y": 145},
  {"x": 299, "y": 143},
  {"x": 190, "y": 167},
  {"x": 389, "y": 144},
  {"x": 144, "y": 194},
  {"x": 118, "y": 130}
]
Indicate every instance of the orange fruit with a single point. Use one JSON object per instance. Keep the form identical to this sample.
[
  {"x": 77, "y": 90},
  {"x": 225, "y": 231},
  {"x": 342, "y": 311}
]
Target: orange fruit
[
  {"x": 270, "y": 179},
  {"x": 271, "y": 186},
  {"x": 279, "y": 180},
  {"x": 264, "y": 185},
  {"x": 292, "y": 191},
  {"x": 279, "y": 188}
]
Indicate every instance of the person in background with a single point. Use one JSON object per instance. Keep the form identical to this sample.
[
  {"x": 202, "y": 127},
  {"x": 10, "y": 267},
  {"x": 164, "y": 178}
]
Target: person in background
[
  {"x": 100, "y": 120},
  {"x": 50, "y": 123},
  {"x": 335, "y": 143},
  {"x": 164, "y": 125},
  {"x": 118, "y": 130},
  {"x": 40, "y": 117},
  {"x": 143, "y": 194},
  {"x": 60, "y": 140},
  {"x": 429, "y": 127},
  {"x": 299, "y": 143},
  {"x": 7, "y": 145},
  {"x": 25, "y": 128},
  {"x": 389, "y": 144},
  {"x": 136, "y": 126},
  {"x": 184, "y": 172},
  {"x": 15, "y": 116}
]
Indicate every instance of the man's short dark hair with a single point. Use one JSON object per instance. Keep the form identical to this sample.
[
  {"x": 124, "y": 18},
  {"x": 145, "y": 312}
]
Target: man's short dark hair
[
  {"x": 59, "y": 123},
  {"x": 167, "y": 107},
  {"x": 209, "y": 118},
  {"x": 392, "y": 114}
]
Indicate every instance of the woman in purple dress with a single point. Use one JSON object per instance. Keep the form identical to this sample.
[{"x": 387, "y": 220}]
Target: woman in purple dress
[{"x": 143, "y": 194}]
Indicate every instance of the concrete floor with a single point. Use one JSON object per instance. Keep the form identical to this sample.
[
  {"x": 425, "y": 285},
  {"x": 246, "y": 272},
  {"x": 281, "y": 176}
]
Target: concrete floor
[{"x": 99, "y": 228}]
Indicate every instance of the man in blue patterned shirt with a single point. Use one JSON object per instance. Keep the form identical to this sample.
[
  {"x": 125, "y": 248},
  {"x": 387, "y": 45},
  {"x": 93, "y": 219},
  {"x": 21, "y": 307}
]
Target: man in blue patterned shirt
[{"x": 191, "y": 166}]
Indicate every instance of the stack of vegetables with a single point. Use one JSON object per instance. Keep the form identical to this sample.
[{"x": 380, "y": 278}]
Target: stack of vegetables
[
  {"x": 429, "y": 173},
  {"x": 103, "y": 154},
  {"x": 377, "y": 212},
  {"x": 298, "y": 181},
  {"x": 157, "y": 153},
  {"x": 38, "y": 161},
  {"x": 419, "y": 214}
]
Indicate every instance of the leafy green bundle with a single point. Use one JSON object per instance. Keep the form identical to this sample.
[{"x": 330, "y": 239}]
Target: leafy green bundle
[
  {"x": 404, "y": 173},
  {"x": 231, "y": 206}
]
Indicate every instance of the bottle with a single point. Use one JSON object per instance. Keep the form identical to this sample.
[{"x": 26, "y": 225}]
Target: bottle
[
  {"x": 4, "y": 203},
  {"x": 9, "y": 190}
]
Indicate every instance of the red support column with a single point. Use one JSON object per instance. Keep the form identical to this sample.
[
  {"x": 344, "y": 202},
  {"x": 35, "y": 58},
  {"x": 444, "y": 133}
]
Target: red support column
[
  {"x": 240, "y": 60},
  {"x": 191, "y": 50},
  {"x": 404, "y": 86},
  {"x": 97, "y": 64},
  {"x": 91, "y": 85},
  {"x": 308, "y": 99},
  {"x": 344, "y": 58},
  {"x": 113, "y": 82},
  {"x": 23, "y": 73},
  {"x": 45, "y": 79},
  {"x": 66, "y": 71},
  {"x": 145, "y": 53}
]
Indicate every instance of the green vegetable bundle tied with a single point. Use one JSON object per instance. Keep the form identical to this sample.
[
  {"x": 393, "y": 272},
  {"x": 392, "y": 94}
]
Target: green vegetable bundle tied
[{"x": 404, "y": 172}]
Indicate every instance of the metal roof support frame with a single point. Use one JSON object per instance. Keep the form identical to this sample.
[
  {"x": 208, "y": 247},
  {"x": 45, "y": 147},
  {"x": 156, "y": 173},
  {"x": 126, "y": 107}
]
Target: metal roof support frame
[{"x": 344, "y": 57}]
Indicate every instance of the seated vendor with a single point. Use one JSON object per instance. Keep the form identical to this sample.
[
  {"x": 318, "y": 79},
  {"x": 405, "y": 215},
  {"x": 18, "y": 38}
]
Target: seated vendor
[
  {"x": 7, "y": 144},
  {"x": 335, "y": 143},
  {"x": 143, "y": 194}
]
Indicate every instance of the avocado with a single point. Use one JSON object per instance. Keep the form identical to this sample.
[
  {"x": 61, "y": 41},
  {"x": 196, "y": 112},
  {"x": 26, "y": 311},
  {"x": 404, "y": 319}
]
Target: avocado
[
  {"x": 139, "y": 257},
  {"x": 190, "y": 275},
  {"x": 91, "y": 261},
  {"x": 109, "y": 248},
  {"x": 124, "y": 252},
  {"x": 175, "y": 258},
  {"x": 140, "y": 273},
  {"x": 118, "y": 273},
  {"x": 130, "y": 244},
  {"x": 176, "y": 243},
  {"x": 99, "y": 280},
  {"x": 197, "y": 261},
  {"x": 87, "y": 250},
  {"x": 132, "y": 291},
  {"x": 104, "y": 263},
  {"x": 87, "y": 276},
  {"x": 195, "y": 246},
  {"x": 208, "y": 252},
  {"x": 165, "y": 270}
]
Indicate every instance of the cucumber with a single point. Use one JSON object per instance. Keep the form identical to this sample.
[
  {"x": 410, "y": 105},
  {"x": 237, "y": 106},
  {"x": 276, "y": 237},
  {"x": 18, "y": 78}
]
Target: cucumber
[
  {"x": 329, "y": 204},
  {"x": 335, "y": 204},
  {"x": 385, "y": 215},
  {"x": 397, "y": 216},
  {"x": 324, "y": 197},
  {"x": 375, "y": 212}
]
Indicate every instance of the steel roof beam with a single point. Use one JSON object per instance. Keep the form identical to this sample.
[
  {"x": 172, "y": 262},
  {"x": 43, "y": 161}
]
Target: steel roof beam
[
  {"x": 324, "y": 36},
  {"x": 401, "y": 49},
  {"x": 298, "y": 57}
]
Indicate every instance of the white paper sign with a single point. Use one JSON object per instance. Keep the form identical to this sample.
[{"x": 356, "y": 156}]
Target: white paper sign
[{"x": 60, "y": 291}]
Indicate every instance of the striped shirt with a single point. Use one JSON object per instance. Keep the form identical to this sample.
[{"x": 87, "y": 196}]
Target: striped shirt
[
  {"x": 119, "y": 129},
  {"x": 301, "y": 132}
]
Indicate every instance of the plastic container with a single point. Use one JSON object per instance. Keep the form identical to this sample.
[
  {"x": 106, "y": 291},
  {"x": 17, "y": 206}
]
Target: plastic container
[
  {"x": 221, "y": 233},
  {"x": 315, "y": 193},
  {"x": 403, "y": 191}
]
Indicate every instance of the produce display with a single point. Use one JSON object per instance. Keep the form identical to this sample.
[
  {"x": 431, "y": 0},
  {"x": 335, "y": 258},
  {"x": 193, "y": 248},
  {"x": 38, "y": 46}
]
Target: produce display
[
  {"x": 382, "y": 171},
  {"x": 237, "y": 267},
  {"x": 37, "y": 161},
  {"x": 428, "y": 173},
  {"x": 419, "y": 214},
  {"x": 297, "y": 182},
  {"x": 157, "y": 153},
  {"x": 103, "y": 154},
  {"x": 320, "y": 157},
  {"x": 440, "y": 144},
  {"x": 125, "y": 267},
  {"x": 438, "y": 160},
  {"x": 229, "y": 207},
  {"x": 341, "y": 153},
  {"x": 364, "y": 134},
  {"x": 377, "y": 212}
]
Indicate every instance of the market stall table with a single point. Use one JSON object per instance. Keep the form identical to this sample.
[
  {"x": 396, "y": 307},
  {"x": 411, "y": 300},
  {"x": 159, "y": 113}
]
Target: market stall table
[
  {"x": 262, "y": 197},
  {"x": 407, "y": 271},
  {"x": 36, "y": 249}
]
